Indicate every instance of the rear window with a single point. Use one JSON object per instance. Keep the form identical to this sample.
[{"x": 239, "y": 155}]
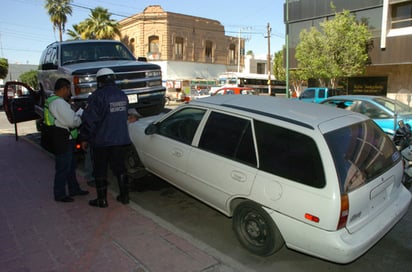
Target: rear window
[
  {"x": 289, "y": 154},
  {"x": 361, "y": 153},
  {"x": 334, "y": 92}
]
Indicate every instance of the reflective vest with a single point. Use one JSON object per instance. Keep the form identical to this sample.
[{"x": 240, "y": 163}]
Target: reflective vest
[{"x": 49, "y": 118}]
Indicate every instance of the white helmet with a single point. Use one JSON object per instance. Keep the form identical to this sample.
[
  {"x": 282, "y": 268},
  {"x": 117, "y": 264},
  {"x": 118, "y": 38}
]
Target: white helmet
[
  {"x": 104, "y": 72},
  {"x": 105, "y": 76}
]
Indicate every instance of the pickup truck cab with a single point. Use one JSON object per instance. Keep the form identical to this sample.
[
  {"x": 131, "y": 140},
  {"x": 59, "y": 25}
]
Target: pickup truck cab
[
  {"x": 78, "y": 61},
  {"x": 318, "y": 94}
]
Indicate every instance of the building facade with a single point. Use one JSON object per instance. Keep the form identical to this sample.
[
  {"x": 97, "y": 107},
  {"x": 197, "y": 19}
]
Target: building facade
[
  {"x": 390, "y": 22},
  {"x": 191, "y": 50}
]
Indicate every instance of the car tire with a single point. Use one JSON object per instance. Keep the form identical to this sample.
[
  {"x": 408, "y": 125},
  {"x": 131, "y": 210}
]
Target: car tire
[
  {"x": 256, "y": 230},
  {"x": 135, "y": 168}
]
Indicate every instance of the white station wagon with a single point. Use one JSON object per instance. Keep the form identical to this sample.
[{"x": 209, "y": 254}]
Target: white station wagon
[{"x": 323, "y": 181}]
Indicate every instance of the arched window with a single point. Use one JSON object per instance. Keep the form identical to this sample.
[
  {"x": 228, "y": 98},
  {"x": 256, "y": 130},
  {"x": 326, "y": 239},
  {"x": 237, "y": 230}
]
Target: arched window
[
  {"x": 178, "y": 48},
  {"x": 232, "y": 54},
  {"x": 209, "y": 50},
  {"x": 154, "y": 44}
]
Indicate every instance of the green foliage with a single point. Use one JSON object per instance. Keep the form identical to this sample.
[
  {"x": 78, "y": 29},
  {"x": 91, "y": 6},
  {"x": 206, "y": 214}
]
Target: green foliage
[
  {"x": 30, "y": 78},
  {"x": 339, "y": 50},
  {"x": 4, "y": 68},
  {"x": 278, "y": 69},
  {"x": 58, "y": 11},
  {"x": 98, "y": 26}
]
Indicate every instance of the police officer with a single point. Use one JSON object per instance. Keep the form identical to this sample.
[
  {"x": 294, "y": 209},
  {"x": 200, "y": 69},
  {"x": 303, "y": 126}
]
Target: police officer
[{"x": 105, "y": 129}]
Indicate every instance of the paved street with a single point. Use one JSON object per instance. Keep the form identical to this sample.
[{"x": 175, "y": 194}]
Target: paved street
[
  {"x": 39, "y": 234},
  {"x": 160, "y": 213}
]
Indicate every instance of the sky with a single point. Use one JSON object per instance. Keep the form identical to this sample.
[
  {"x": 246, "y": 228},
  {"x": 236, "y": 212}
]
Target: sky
[{"x": 26, "y": 29}]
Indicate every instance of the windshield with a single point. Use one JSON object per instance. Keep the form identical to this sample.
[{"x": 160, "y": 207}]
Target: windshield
[
  {"x": 393, "y": 105},
  {"x": 98, "y": 51},
  {"x": 361, "y": 152}
]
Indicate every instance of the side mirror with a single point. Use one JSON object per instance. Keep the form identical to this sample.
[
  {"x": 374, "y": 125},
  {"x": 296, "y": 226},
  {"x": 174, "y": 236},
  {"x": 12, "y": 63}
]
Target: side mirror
[{"x": 151, "y": 129}]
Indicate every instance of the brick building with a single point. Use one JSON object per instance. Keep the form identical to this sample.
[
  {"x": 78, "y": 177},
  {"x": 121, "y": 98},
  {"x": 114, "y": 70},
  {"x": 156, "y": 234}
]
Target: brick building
[{"x": 191, "y": 50}]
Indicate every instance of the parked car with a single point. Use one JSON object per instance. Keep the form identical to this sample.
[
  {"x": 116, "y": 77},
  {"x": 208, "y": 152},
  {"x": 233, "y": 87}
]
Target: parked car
[
  {"x": 381, "y": 109},
  {"x": 198, "y": 93},
  {"x": 19, "y": 102},
  {"x": 318, "y": 94},
  {"x": 78, "y": 61},
  {"x": 323, "y": 181},
  {"x": 233, "y": 90}
]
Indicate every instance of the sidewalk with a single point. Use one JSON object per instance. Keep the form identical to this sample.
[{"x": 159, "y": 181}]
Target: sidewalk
[{"x": 39, "y": 234}]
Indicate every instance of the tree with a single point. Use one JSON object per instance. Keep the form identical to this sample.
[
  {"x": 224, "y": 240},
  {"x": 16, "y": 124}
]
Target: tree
[
  {"x": 278, "y": 69},
  {"x": 78, "y": 32},
  {"x": 98, "y": 26},
  {"x": 58, "y": 11},
  {"x": 30, "y": 78},
  {"x": 339, "y": 50},
  {"x": 4, "y": 68}
]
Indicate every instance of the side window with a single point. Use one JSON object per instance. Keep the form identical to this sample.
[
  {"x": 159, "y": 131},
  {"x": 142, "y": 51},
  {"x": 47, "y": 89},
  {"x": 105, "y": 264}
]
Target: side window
[
  {"x": 289, "y": 154},
  {"x": 322, "y": 93},
  {"x": 372, "y": 111},
  {"x": 50, "y": 58},
  {"x": 229, "y": 136},
  {"x": 310, "y": 93},
  {"x": 182, "y": 125}
]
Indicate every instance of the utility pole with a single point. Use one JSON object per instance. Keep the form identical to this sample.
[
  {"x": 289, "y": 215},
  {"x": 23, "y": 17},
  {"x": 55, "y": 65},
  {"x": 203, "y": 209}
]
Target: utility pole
[
  {"x": 287, "y": 49},
  {"x": 268, "y": 62}
]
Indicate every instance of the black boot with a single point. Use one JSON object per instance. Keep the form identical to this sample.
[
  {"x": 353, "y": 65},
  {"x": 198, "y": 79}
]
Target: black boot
[
  {"x": 123, "y": 196},
  {"x": 101, "y": 200}
]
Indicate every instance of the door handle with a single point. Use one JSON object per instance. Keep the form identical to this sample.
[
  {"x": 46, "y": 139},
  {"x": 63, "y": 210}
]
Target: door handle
[
  {"x": 177, "y": 153},
  {"x": 238, "y": 176}
]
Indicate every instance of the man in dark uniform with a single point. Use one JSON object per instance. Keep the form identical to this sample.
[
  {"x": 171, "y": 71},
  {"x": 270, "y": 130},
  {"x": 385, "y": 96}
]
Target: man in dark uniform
[{"x": 104, "y": 128}]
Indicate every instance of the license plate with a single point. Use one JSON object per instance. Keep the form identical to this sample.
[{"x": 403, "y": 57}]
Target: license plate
[{"x": 132, "y": 98}]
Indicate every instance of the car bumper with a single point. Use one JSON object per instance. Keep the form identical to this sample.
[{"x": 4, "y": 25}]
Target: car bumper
[{"x": 341, "y": 246}]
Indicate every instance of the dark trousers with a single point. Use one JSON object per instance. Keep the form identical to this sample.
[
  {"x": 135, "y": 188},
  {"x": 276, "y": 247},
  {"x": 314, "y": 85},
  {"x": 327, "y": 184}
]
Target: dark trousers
[
  {"x": 108, "y": 155},
  {"x": 65, "y": 173}
]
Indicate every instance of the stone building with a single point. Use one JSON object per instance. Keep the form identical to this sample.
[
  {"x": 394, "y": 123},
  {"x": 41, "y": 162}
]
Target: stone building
[{"x": 191, "y": 50}]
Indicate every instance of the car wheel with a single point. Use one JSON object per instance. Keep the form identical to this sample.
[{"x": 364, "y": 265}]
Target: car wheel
[
  {"x": 256, "y": 230},
  {"x": 39, "y": 124},
  {"x": 134, "y": 166}
]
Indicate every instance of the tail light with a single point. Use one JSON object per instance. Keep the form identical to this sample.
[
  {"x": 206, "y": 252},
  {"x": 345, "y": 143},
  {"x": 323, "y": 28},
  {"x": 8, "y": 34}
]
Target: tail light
[
  {"x": 344, "y": 211},
  {"x": 78, "y": 146}
]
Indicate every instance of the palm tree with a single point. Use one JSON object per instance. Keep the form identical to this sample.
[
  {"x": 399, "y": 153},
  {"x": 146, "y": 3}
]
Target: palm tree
[
  {"x": 78, "y": 32},
  {"x": 99, "y": 25},
  {"x": 58, "y": 11}
]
